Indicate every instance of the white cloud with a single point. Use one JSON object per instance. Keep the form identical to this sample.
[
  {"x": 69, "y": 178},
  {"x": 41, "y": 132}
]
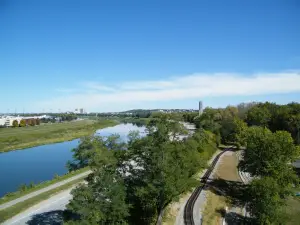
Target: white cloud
[
  {"x": 101, "y": 97},
  {"x": 98, "y": 87}
]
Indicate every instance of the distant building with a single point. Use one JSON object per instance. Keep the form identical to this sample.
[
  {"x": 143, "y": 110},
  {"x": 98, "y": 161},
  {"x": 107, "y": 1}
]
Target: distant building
[
  {"x": 7, "y": 121},
  {"x": 200, "y": 108},
  {"x": 81, "y": 111}
]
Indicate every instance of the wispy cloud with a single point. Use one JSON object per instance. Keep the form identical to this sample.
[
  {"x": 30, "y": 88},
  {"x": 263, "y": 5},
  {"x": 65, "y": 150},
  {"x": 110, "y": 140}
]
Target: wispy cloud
[
  {"x": 97, "y": 96},
  {"x": 97, "y": 86}
]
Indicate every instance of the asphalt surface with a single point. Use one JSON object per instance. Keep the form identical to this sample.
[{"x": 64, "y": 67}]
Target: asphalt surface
[
  {"x": 25, "y": 197},
  {"x": 46, "y": 212}
]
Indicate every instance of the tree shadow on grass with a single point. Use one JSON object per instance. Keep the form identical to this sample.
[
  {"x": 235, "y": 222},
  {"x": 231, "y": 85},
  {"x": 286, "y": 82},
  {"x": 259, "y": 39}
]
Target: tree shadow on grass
[
  {"x": 55, "y": 217},
  {"x": 233, "y": 218},
  {"x": 235, "y": 191}
]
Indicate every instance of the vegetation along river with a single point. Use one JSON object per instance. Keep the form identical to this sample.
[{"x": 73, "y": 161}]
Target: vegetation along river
[{"x": 41, "y": 163}]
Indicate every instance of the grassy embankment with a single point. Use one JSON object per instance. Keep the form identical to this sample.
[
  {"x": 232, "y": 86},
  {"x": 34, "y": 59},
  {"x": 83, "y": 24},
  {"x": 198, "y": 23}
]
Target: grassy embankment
[
  {"x": 17, "y": 208},
  {"x": 14, "y": 195},
  {"x": 26, "y": 137},
  {"x": 293, "y": 209}
]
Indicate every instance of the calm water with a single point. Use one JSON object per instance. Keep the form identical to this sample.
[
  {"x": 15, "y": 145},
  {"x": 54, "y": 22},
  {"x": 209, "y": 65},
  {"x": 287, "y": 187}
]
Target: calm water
[{"x": 43, "y": 162}]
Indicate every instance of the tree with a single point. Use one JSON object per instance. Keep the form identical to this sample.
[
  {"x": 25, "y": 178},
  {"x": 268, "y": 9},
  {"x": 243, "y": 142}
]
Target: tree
[
  {"x": 258, "y": 115},
  {"x": 85, "y": 150},
  {"x": 102, "y": 201},
  {"x": 243, "y": 108},
  {"x": 22, "y": 123},
  {"x": 240, "y": 132},
  {"x": 265, "y": 203},
  {"x": 15, "y": 123},
  {"x": 267, "y": 153}
]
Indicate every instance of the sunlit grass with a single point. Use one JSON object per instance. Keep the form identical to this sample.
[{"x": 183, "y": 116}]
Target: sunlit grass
[{"x": 25, "y": 137}]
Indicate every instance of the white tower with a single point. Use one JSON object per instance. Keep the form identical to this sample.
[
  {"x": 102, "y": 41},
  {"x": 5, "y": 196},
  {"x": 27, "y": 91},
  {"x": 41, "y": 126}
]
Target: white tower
[{"x": 200, "y": 108}]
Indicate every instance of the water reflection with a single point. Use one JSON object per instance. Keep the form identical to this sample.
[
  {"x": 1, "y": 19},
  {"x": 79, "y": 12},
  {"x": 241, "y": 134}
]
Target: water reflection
[{"x": 41, "y": 163}]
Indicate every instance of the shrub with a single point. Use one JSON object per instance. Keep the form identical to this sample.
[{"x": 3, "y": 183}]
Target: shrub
[
  {"x": 22, "y": 123},
  {"x": 15, "y": 123}
]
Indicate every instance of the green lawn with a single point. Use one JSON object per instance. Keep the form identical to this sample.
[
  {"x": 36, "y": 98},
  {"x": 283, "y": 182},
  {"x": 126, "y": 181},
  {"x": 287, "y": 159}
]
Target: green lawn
[
  {"x": 25, "y": 137},
  {"x": 293, "y": 211}
]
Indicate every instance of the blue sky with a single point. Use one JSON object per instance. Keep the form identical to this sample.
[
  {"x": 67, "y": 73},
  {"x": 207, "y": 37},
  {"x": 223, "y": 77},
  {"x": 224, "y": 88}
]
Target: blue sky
[{"x": 119, "y": 55}]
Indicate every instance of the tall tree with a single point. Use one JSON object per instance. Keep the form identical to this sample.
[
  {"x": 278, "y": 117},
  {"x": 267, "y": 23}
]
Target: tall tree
[
  {"x": 258, "y": 115},
  {"x": 267, "y": 153},
  {"x": 22, "y": 123},
  {"x": 265, "y": 203},
  {"x": 102, "y": 199},
  {"x": 240, "y": 132},
  {"x": 15, "y": 123}
]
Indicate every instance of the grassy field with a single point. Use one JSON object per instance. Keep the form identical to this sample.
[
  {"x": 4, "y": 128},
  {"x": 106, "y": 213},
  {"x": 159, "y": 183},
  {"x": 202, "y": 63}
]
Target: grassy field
[
  {"x": 25, "y": 137},
  {"x": 18, "y": 194},
  {"x": 14, "y": 210},
  {"x": 293, "y": 209}
]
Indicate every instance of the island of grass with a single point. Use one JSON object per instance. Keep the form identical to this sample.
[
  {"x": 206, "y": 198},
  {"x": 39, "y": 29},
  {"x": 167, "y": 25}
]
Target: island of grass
[{"x": 26, "y": 137}]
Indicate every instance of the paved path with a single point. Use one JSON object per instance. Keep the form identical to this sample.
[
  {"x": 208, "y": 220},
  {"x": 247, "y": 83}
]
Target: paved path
[
  {"x": 35, "y": 193},
  {"x": 46, "y": 212}
]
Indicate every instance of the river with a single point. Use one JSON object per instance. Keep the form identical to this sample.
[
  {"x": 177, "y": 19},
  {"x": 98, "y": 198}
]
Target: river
[{"x": 41, "y": 163}]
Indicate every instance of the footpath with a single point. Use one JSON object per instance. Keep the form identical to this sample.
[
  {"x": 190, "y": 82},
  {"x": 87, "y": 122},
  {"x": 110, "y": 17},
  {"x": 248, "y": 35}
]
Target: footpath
[{"x": 38, "y": 192}]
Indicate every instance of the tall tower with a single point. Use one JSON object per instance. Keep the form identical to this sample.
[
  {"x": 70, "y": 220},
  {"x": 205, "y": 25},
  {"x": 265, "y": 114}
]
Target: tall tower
[{"x": 200, "y": 108}]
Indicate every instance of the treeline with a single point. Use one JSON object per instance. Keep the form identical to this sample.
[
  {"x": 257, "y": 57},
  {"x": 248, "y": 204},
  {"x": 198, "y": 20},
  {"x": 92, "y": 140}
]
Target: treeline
[
  {"x": 59, "y": 118},
  {"x": 222, "y": 121},
  {"x": 26, "y": 122},
  {"x": 270, "y": 135},
  {"x": 135, "y": 186}
]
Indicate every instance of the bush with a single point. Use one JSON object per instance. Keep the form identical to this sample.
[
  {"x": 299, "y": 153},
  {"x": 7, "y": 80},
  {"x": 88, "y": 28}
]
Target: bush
[
  {"x": 22, "y": 123},
  {"x": 22, "y": 187},
  {"x": 15, "y": 123}
]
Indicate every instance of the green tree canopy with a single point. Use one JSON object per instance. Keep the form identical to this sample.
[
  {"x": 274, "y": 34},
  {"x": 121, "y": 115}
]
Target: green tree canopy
[
  {"x": 15, "y": 123},
  {"x": 265, "y": 202},
  {"x": 141, "y": 180},
  {"x": 102, "y": 200},
  {"x": 267, "y": 153},
  {"x": 22, "y": 123}
]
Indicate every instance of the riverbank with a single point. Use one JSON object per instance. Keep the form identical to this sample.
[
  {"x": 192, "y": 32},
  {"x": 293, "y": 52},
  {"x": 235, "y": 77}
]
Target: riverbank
[
  {"x": 26, "y": 137},
  {"x": 10, "y": 197},
  {"x": 10, "y": 212}
]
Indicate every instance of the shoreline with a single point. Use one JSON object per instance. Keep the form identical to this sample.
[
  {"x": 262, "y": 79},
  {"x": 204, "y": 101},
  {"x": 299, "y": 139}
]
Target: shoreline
[{"x": 74, "y": 134}]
